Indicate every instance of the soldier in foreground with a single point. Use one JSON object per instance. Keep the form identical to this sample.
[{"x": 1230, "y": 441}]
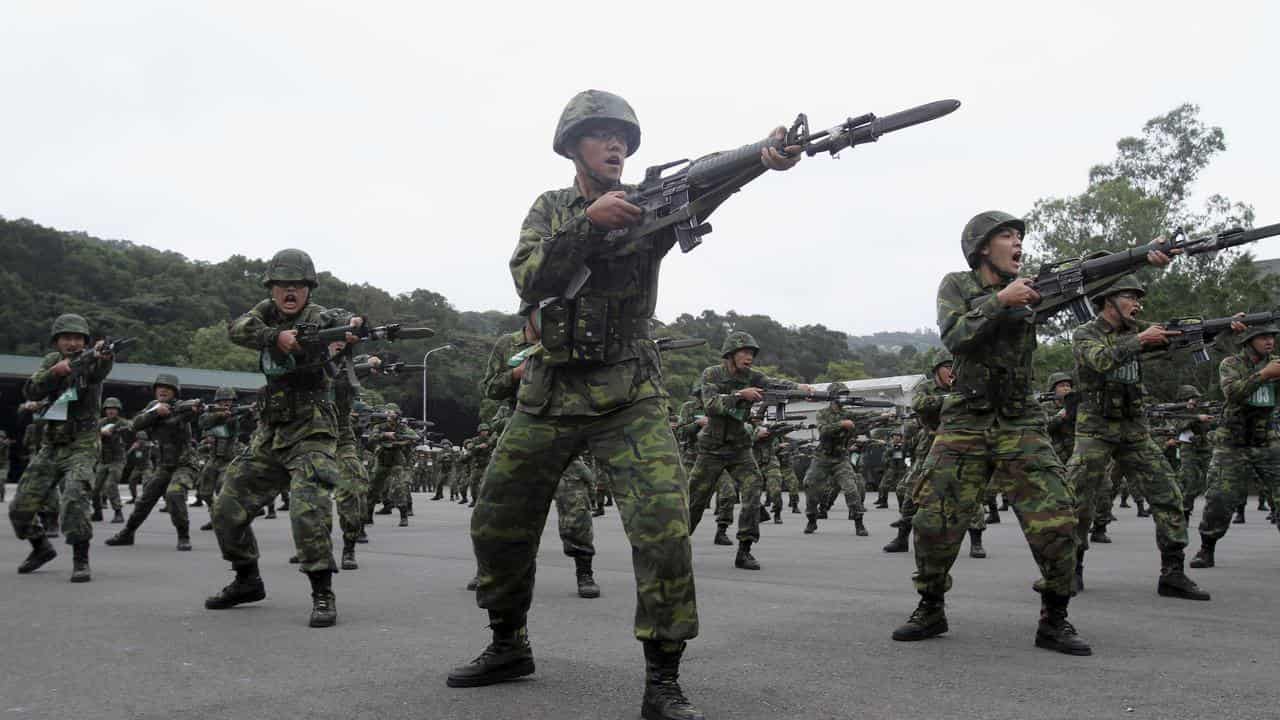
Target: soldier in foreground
[
  {"x": 169, "y": 423},
  {"x": 992, "y": 435},
  {"x": 1111, "y": 425},
  {"x": 1247, "y": 445},
  {"x": 595, "y": 385},
  {"x": 294, "y": 447},
  {"x": 69, "y": 444}
]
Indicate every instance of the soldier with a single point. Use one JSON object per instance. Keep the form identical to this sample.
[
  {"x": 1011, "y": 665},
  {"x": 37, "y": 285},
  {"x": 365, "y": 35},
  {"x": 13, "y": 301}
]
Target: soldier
[
  {"x": 790, "y": 483},
  {"x": 169, "y": 423},
  {"x": 991, "y": 435},
  {"x": 69, "y": 444},
  {"x": 393, "y": 442},
  {"x": 352, "y": 494},
  {"x": 1246, "y": 445},
  {"x": 1061, "y": 414},
  {"x": 831, "y": 465},
  {"x": 1195, "y": 451},
  {"x": 1111, "y": 425},
  {"x": 765, "y": 449},
  {"x": 220, "y": 425},
  {"x": 5, "y": 444},
  {"x": 444, "y": 470},
  {"x": 113, "y": 430},
  {"x": 895, "y": 470},
  {"x": 926, "y": 400},
  {"x": 32, "y": 441},
  {"x": 724, "y": 442},
  {"x": 587, "y": 389},
  {"x": 481, "y": 450},
  {"x": 137, "y": 464},
  {"x": 295, "y": 444}
]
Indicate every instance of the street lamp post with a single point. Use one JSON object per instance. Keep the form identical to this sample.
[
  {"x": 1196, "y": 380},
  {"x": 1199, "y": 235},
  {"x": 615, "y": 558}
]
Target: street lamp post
[{"x": 446, "y": 346}]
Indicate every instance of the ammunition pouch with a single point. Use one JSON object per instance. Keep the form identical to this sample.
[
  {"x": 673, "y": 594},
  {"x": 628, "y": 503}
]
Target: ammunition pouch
[
  {"x": 987, "y": 389},
  {"x": 1120, "y": 401},
  {"x": 584, "y": 332},
  {"x": 1250, "y": 427},
  {"x": 64, "y": 432},
  {"x": 278, "y": 405}
]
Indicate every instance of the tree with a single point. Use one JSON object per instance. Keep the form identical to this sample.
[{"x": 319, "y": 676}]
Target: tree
[{"x": 211, "y": 348}]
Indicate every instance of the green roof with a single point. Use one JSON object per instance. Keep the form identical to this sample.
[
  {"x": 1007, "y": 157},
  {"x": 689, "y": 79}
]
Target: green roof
[{"x": 21, "y": 366}]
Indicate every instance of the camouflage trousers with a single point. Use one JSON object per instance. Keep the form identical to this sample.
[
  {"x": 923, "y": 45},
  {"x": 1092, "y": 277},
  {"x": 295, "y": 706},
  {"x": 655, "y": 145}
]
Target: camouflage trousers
[
  {"x": 391, "y": 484},
  {"x": 907, "y": 506},
  {"x": 773, "y": 482},
  {"x": 1144, "y": 467},
  {"x": 636, "y": 446},
  {"x": 1231, "y": 472},
  {"x": 961, "y": 467},
  {"x": 827, "y": 476},
  {"x": 351, "y": 496},
  {"x": 211, "y": 478},
  {"x": 170, "y": 482},
  {"x": 106, "y": 485},
  {"x": 891, "y": 482},
  {"x": 1193, "y": 476},
  {"x": 790, "y": 483},
  {"x": 726, "y": 499},
  {"x": 306, "y": 470},
  {"x": 748, "y": 482},
  {"x": 69, "y": 465},
  {"x": 574, "y": 496}
]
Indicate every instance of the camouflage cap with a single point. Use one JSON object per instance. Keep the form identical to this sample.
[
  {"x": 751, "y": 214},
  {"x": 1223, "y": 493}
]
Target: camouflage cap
[
  {"x": 69, "y": 323},
  {"x": 112, "y": 402},
  {"x": 1126, "y": 283},
  {"x": 981, "y": 227},
  {"x": 737, "y": 340},
  {"x": 167, "y": 380},
  {"x": 837, "y": 387},
  {"x": 591, "y": 106},
  {"x": 1058, "y": 377},
  {"x": 1188, "y": 392},
  {"x": 224, "y": 393},
  {"x": 1254, "y": 331},
  {"x": 943, "y": 358},
  {"x": 290, "y": 265}
]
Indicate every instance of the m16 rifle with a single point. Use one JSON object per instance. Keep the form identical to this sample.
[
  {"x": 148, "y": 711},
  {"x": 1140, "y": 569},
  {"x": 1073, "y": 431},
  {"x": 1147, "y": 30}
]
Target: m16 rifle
[
  {"x": 83, "y": 362},
  {"x": 671, "y": 344},
  {"x": 679, "y": 199},
  {"x": 392, "y": 368},
  {"x": 1198, "y": 333},
  {"x": 1067, "y": 284}
]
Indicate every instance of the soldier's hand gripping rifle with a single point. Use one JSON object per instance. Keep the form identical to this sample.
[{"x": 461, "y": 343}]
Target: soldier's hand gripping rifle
[
  {"x": 84, "y": 361},
  {"x": 680, "y": 199},
  {"x": 1198, "y": 333},
  {"x": 1069, "y": 283}
]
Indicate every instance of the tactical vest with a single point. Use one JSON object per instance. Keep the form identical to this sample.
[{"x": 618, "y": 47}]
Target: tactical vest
[
  {"x": 1250, "y": 425},
  {"x": 1120, "y": 397},
  {"x": 1003, "y": 383}
]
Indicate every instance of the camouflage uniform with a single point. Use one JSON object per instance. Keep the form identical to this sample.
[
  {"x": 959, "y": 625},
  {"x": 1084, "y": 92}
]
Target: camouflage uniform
[
  {"x": 106, "y": 486},
  {"x": 831, "y": 467},
  {"x": 786, "y": 463},
  {"x": 174, "y": 476},
  {"x": 5, "y": 445},
  {"x": 394, "y": 458},
  {"x": 766, "y": 452},
  {"x": 1246, "y": 444},
  {"x": 224, "y": 429},
  {"x": 1111, "y": 425},
  {"x": 351, "y": 496},
  {"x": 926, "y": 399},
  {"x": 1195, "y": 452},
  {"x": 895, "y": 473}
]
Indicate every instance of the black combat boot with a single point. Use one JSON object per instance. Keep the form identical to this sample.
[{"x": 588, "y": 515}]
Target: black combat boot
[
  {"x": 271, "y": 510},
  {"x": 975, "y": 544},
  {"x": 473, "y": 501},
  {"x": 1099, "y": 534},
  {"x": 882, "y": 502},
  {"x": 295, "y": 559},
  {"x": 507, "y": 657},
  {"x": 1239, "y": 518},
  {"x": 284, "y": 503},
  {"x": 859, "y": 528},
  {"x": 722, "y": 536},
  {"x": 1262, "y": 503},
  {"x": 1077, "y": 584},
  {"x": 1004, "y": 503},
  {"x": 117, "y": 518},
  {"x": 764, "y": 514},
  {"x": 387, "y": 509},
  {"x": 1055, "y": 632},
  {"x": 324, "y": 607},
  {"x": 362, "y": 538},
  {"x": 207, "y": 526},
  {"x": 404, "y": 517},
  {"x": 902, "y": 543},
  {"x": 80, "y": 562},
  {"x": 473, "y": 583},
  {"x": 1142, "y": 507},
  {"x": 587, "y": 587},
  {"x": 96, "y": 516},
  {"x": 777, "y": 514},
  {"x": 197, "y": 502},
  {"x": 745, "y": 560},
  {"x": 439, "y": 493},
  {"x": 349, "y": 556},
  {"x": 124, "y": 537},
  {"x": 928, "y": 620},
  {"x": 812, "y": 526},
  {"x": 795, "y": 505},
  {"x": 1175, "y": 583},
  {"x": 1204, "y": 557},
  {"x": 822, "y": 512},
  {"x": 993, "y": 515},
  {"x": 608, "y": 501},
  {"x": 597, "y": 511},
  {"x": 184, "y": 541},
  {"x": 41, "y": 552},
  {"x": 50, "y": 521},
  {"x": 853, "y": 514},
  {"x": 246, "y": 588},
  {"x": 663, "y": 698}
]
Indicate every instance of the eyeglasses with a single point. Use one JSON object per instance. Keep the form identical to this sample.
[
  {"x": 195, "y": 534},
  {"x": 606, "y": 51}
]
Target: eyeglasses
[
  {"x": 290, "y": 285},
  {"x": 1130, "y": 296},
  {"x": 605, "y": 134}
]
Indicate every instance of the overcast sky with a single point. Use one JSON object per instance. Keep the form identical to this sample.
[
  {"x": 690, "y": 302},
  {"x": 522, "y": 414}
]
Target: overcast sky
[{"x": 402, "y": 144}]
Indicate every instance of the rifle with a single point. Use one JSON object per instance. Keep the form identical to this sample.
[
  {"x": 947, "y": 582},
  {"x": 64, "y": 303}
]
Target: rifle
[
  {"x": 1069, "y": 283},
  {"x": 312, "y": 334},
  {"x": 669, "y": 344},
  {"x": 667, "y": 200},
  {"x": 82, "y": 362},
  {"x": 395, "y": 368},
  {"x": 178, "y": 407},
  {"x": 1197, "y": 333}
]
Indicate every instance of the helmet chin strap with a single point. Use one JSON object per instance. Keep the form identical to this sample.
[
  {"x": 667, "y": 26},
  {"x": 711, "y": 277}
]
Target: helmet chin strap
[
  {"x": 1128, "y": 323},
  {"x": 596, "y": 178}
]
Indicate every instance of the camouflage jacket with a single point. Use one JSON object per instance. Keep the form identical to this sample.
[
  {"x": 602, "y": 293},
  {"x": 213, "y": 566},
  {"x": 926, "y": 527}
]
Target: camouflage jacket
[
  {"x": 393, "y": 452},
  {"x": 478, "y": 450},
  {"x": 1061, "y": 426},
  {"x": 926, "y": 400},
  {"x": 687, "y": 425},
  {"x": 992, "y": 347},
  {"x": 220, "y": 425},
  {"x": 498, "y": 383},
  {"x": 1250, "y": 400},
  {"x": 727, "y": 423},
  {"x": 171, "y": 436},
  {"x": 297, "y": 403},
  {"x": 833, "y": 439},
  {"x": 83, "y": 403},
  {"x": 1109, "y": 382},
  {"x": 112, "y": 447}
]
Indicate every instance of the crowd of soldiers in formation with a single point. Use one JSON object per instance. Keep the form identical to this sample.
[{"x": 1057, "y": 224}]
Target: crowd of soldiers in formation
[{"x": 584, "y": 416}]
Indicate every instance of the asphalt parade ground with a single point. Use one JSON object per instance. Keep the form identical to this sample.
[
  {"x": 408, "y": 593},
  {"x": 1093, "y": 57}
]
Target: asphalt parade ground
[{"x": 806, "y": 637}]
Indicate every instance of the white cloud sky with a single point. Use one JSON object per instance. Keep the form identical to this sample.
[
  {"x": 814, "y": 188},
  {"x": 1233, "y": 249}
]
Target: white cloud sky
[{"x": 401, "y": 144}]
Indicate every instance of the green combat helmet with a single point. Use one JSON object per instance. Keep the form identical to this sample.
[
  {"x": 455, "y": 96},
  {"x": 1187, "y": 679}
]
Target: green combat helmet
[
  {"x": 69, "y": 323},
  {"x": 736, "y": 341},
  {"x": 484, "y": 427},
  {"x": 391, "y": 408},
  {"x": 944, "y": 358},
  {"x": 590, "y": 106},
  {"x": 224, "y": 393},
  {"x": 836, "y": 388},
  {"x": 1254, "y": 331},
  {"x": 112, "y": 402},
  {"x": 1188, "y": 392},
  {"x": 980, "y": 229},
  {"x": 167, "y": 380},
  {"x": 290, "y": 266},
  {"x": 1058, "y": 377},
  {"x": 1126, "y": 283}
]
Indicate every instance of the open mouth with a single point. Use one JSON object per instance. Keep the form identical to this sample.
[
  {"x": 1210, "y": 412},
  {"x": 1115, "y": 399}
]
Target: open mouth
[
  {"x": 290, "y": 299},
  {"x": 613, "y": 160}
]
